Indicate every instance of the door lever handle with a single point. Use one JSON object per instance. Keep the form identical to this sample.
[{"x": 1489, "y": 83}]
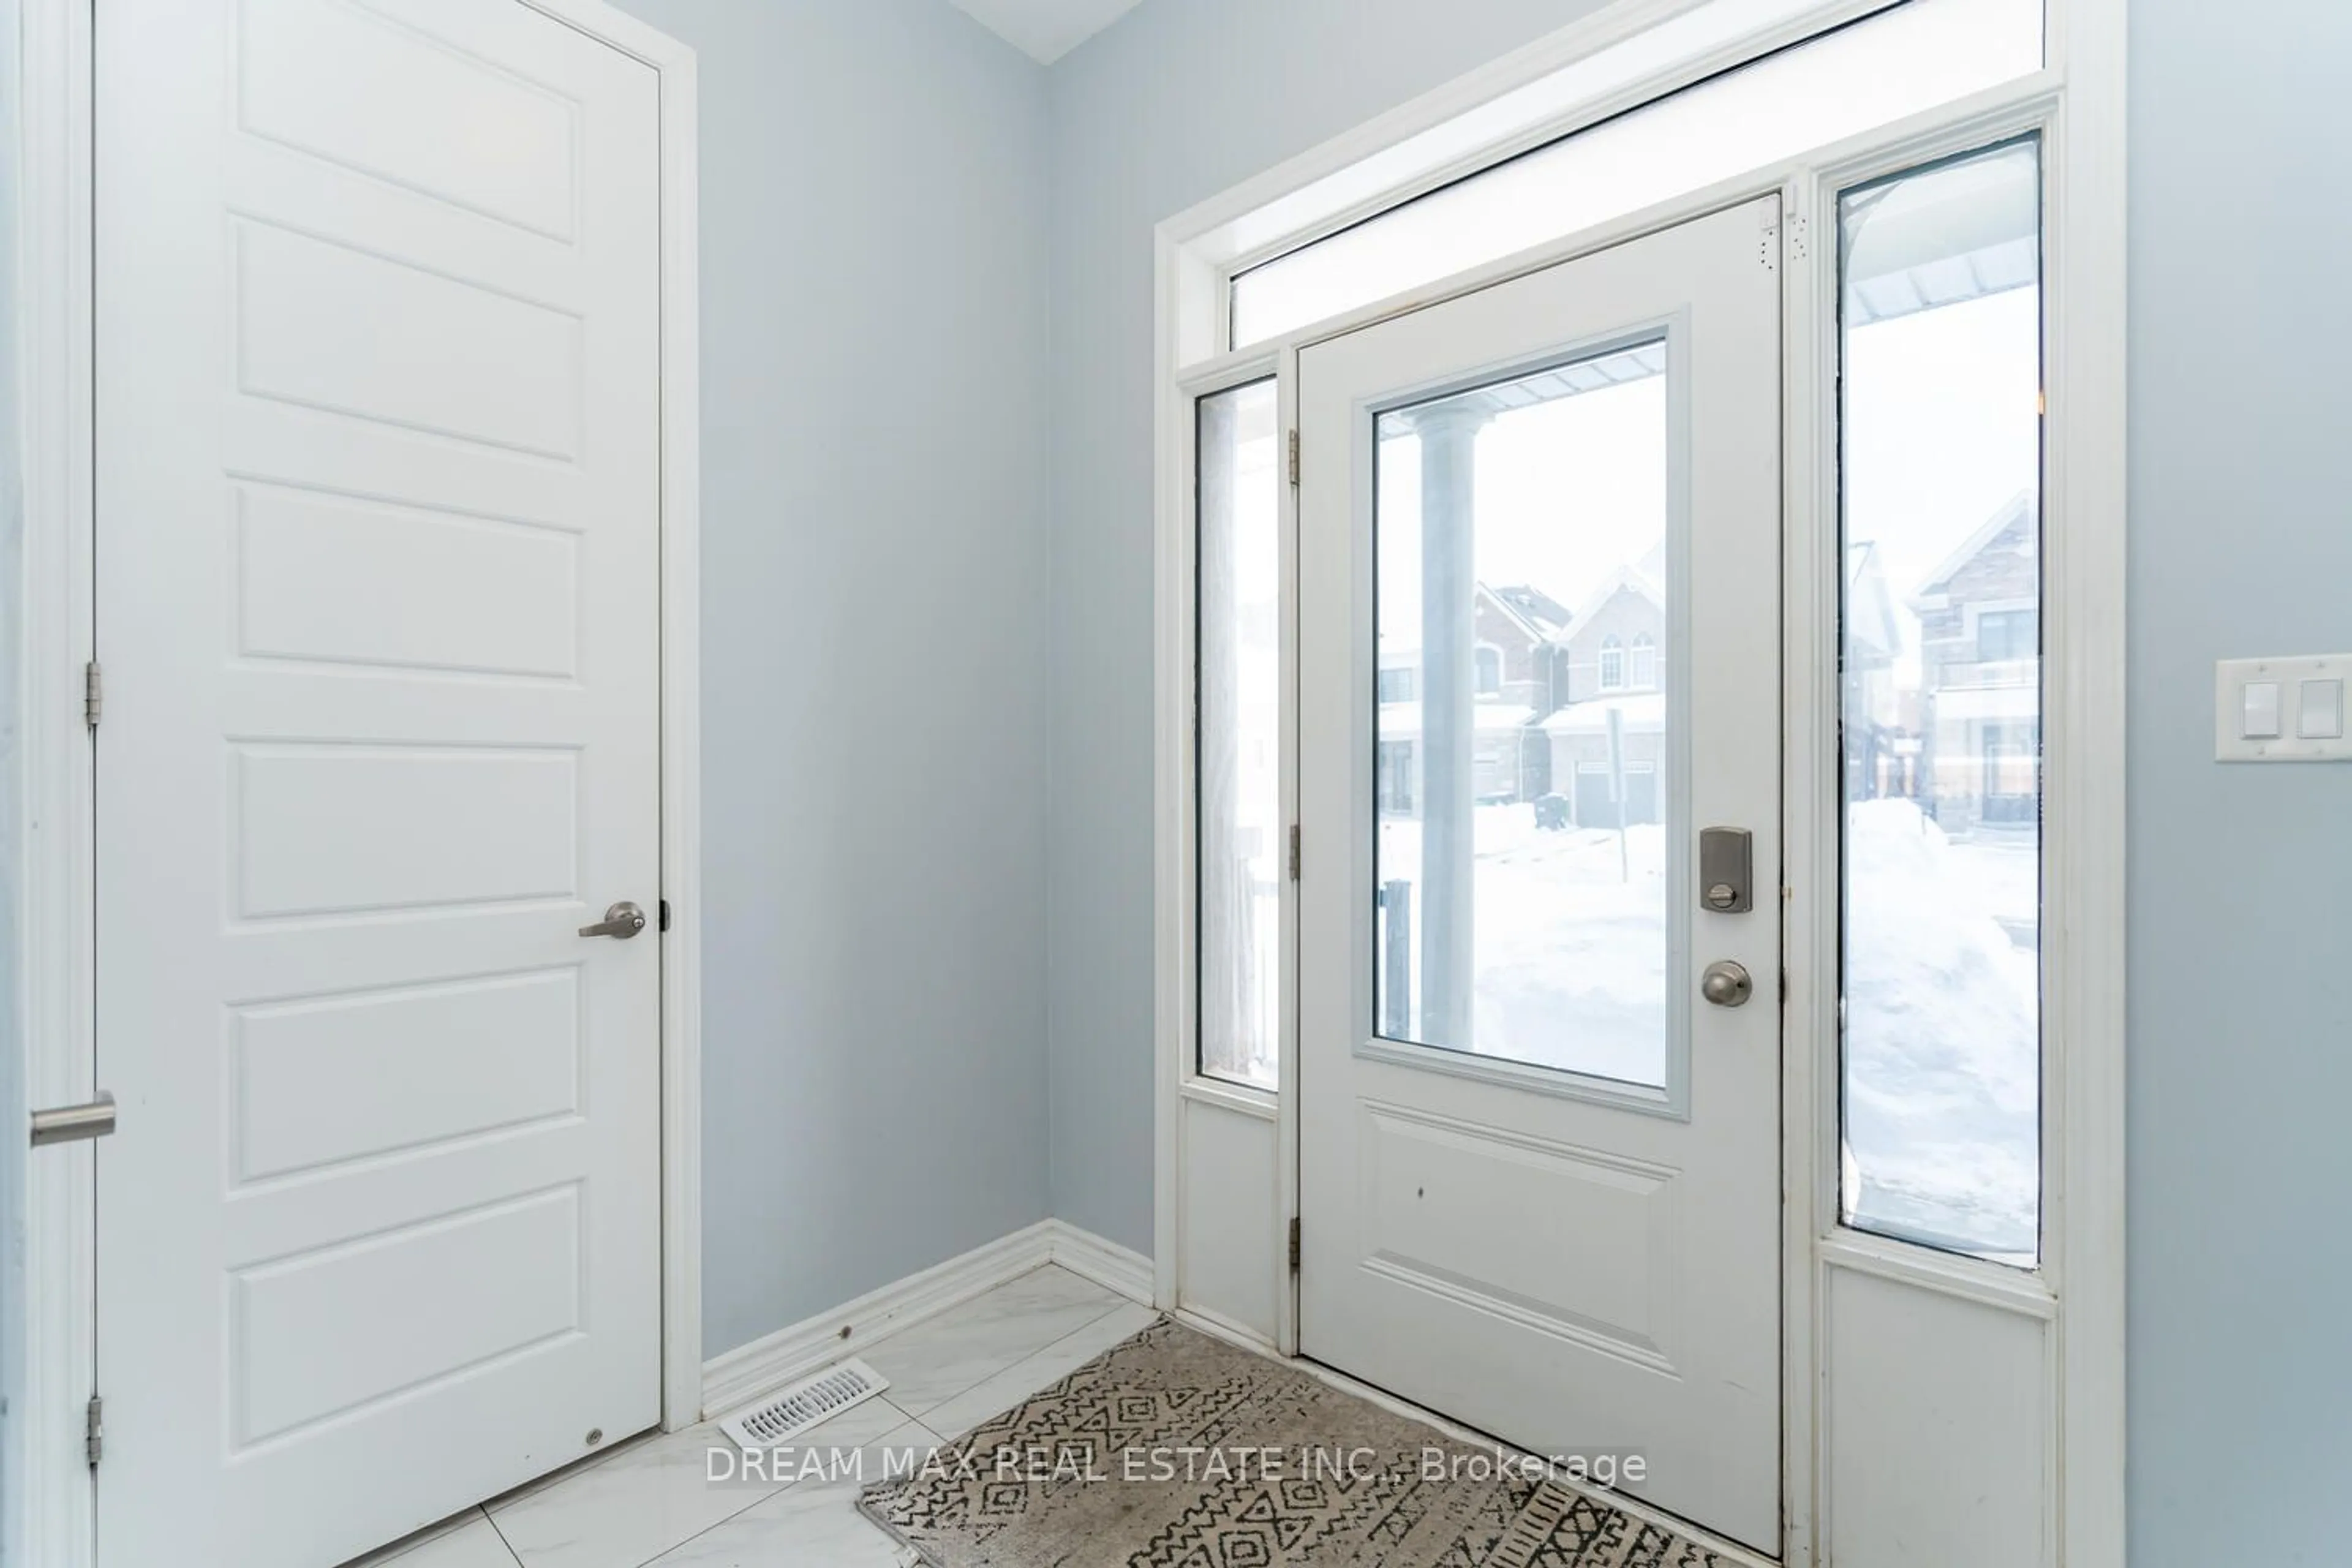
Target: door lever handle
[
  {"x": 623, "y": 921},
  {"x": 70, "y": 1124}
]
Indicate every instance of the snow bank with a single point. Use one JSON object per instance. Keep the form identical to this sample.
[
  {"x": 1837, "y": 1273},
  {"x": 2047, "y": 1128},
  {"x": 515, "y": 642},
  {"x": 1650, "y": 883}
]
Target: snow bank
[{"x": 1943, "y": 1083}]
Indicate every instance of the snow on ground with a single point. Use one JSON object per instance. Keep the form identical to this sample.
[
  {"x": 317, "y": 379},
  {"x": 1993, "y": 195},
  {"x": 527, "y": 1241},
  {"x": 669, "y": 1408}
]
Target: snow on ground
[
  {"x": 1943, "y": 1082},
  {"x": 1570, "y": 941},
  {"x": 1942, "y": 1097}
]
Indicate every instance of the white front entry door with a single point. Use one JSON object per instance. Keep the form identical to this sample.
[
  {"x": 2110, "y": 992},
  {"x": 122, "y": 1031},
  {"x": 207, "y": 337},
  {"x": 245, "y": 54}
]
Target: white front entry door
[
  {"x": 1539, "y": 620},
  {"x": 377, "y": 566}
]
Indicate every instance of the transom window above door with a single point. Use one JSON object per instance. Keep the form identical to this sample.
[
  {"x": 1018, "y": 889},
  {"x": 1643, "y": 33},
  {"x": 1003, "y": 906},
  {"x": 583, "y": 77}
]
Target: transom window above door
[{"x": 1912, "y": 56}]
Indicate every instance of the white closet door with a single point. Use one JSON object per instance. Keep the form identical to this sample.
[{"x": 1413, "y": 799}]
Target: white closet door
[{"x": 377, "y": 414}]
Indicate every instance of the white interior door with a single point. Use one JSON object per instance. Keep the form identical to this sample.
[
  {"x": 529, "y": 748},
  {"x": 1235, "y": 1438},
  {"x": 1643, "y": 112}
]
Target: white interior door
[
  {"x": 1538, "y": 614},
  {"x": 377, "y": 334}
]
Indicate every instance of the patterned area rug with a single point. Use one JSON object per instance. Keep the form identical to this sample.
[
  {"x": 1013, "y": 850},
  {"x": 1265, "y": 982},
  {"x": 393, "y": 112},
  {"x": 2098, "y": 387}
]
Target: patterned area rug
[{"x": 1175, "y": 1450}]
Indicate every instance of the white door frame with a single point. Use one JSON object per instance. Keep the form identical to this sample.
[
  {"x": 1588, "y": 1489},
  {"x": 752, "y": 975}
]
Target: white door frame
[
  {"x": 2077, "y": 102},
  {"x": 55, "y": 1518}
]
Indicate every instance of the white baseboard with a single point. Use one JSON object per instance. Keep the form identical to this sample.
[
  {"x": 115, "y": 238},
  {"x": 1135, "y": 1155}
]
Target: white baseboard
[
  {"x": 1116, "y": 1269},
  {"x": 750, "y": 1372}
]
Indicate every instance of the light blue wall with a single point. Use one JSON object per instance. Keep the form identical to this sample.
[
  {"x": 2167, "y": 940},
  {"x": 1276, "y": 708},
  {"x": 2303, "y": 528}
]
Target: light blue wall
[
  {"x": 13, "y": 1151},
  {"x": 874, "y": 646},
  {"x": 2240, "y": 1077},
  {"x": 1174, "y": 103}
]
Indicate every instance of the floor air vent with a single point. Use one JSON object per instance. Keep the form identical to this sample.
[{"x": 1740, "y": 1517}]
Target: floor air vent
[{"x": 813, "y": 1399}]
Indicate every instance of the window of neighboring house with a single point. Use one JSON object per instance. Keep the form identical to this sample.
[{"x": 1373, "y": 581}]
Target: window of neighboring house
[
  {"x": 1645, "y": 663},
  {"x": 1396, "y": 685},
  {"x": 1240, "y": 833},
  {"x": 2003, "y": 635},
  {"x": 1612, "y": 665},
  {"x": 1489, "y": 661}
]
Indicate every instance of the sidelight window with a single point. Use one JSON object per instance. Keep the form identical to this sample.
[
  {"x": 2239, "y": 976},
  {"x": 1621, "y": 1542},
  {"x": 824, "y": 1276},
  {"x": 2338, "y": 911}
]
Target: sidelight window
[
  {"x": 1238, "y": 738},
  {"x": 1940, "y": 480}
]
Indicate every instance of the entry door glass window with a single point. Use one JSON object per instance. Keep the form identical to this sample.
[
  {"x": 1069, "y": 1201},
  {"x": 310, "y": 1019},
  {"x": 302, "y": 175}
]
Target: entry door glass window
[
  {"x": 1941, "y": 462},
  {"x": 1239, "y": 738},
  {"x": 1521, "y": 894}
]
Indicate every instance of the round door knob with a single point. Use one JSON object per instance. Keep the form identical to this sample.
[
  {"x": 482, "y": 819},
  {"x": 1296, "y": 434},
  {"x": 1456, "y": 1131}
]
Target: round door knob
[{"x": 1727, "y": 983}]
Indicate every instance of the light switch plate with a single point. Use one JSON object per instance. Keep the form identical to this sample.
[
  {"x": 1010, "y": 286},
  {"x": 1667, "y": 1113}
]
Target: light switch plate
[{"x": 2298, "y": 678}]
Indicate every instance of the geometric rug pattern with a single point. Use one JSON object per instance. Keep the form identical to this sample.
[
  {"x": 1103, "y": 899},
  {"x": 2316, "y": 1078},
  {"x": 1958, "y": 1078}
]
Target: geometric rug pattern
[{"x": 1176, "y": 1450}]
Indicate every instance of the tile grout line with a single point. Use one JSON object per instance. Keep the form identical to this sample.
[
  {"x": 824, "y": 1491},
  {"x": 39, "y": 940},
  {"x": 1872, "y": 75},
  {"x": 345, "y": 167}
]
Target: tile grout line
[
  {"x": 788, "y": 1486},
  {"x": 1033, "y": 1355},
  {"x": 1117, "y": 1301},
  {"x": 512, "y": 1555}
]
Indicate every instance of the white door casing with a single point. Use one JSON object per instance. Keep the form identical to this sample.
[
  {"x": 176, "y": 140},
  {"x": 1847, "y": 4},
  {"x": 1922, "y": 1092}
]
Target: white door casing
[
  {"x": 377, "y": 358},
  {"x": 1571, "y": 1265}
]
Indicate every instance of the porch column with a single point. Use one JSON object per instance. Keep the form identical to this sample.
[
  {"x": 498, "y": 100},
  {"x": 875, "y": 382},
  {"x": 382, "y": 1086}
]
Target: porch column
[{"x": 1449, "y": 436}]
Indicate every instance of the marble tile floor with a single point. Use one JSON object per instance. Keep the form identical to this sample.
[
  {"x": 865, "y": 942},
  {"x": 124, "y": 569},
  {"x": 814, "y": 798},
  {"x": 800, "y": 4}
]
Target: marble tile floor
[{"x": 650, "y": 1503}]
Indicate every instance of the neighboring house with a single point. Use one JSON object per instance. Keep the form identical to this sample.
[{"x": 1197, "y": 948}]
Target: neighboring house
[
  {"x": 1519, "y": 675},
  {"x": 1614, "y": 654},
  {"x": 1980, "y": 664},
  {"x": 1497, "y": 756}
]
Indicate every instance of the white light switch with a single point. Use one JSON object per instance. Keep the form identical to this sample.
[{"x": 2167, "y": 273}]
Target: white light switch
[
  {"x": 2261, "y": 711},
  {"x": 2284, "y": 710},
  {"x": 2319, "y": 710}
]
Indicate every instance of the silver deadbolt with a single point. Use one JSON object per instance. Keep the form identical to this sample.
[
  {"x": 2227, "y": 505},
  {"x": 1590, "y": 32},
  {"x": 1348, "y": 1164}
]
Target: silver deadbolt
[
  {"x": 1727, "y": 983},
  {"x": 1726, "y": 871},
  {"x": 623, "y": 921}
]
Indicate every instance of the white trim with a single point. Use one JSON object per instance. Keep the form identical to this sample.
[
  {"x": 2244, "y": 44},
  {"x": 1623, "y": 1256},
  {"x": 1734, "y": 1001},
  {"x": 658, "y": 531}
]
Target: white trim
[
  {"x": 1176, "y": 287},
  {"x": 1483, "y": 117},
  {"x": 2017, "y": 1290},
  {"x": 57, "y": 1524},
  {"x": 1121, "y": 1270},
  {"x": 2086, "y": 489},
  {"x": 1233, "y": 1331},
  {"x": 1810, "y": 819},
  {"x": 1242, "y": 1099},
  {"x": 751, "y": 1372},
  {"x": 2077, "y": 102}
]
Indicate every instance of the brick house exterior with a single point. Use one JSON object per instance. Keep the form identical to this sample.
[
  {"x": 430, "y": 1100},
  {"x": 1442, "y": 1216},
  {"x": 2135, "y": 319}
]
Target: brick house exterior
[{"x": 1519, "y": 673}]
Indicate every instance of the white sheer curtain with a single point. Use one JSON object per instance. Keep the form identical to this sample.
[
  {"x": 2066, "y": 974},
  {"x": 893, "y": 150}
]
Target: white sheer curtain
[{"x": 1240, "y": 739}]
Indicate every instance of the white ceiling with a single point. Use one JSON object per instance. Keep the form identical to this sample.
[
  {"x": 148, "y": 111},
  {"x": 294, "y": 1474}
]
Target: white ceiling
[{"x": 1044, "y": 30}]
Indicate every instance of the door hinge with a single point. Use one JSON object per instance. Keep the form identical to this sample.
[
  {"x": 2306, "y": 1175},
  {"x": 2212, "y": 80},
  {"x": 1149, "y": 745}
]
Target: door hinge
[
  {"x": 1293, "y": 457},
  {"x": 665, "y": 914},
  {"x": 1294, "y": 852},
  {"x": 1293, "y": 1244},
  {"x": 93, "y": 693},
  {"x": 93, "y": 1428}
]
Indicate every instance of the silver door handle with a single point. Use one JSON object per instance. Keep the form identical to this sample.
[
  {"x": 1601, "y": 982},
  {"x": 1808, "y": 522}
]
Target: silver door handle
[
  {"x": 1727, "y": 983},
  {"x": 72, "y": 1124},
  {"x": 624, "y": 920}
]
